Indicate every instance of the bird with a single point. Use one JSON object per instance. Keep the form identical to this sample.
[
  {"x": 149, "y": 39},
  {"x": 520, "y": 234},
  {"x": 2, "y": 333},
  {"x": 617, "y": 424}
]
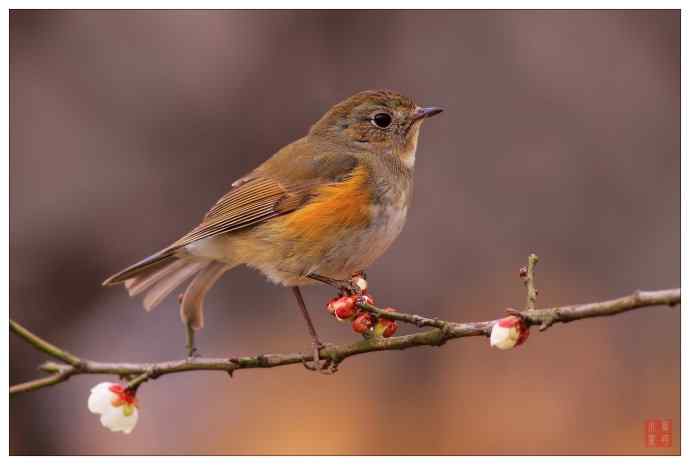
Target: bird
[{"x": 320, "y": 210}]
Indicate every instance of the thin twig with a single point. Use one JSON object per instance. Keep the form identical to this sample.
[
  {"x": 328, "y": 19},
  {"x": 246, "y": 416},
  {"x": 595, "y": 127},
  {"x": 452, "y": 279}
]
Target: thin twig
[
  {"x": 442, "y": 331},
  {"x": 416, "y": 320},
  {"x": 530, "y": 282},
  {"x": 42, "y": 345},
  {"x": 34, "y": 385}
]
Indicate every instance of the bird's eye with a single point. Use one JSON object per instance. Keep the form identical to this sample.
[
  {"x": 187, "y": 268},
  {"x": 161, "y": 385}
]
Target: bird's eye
[{"x": 382, "y": 120}]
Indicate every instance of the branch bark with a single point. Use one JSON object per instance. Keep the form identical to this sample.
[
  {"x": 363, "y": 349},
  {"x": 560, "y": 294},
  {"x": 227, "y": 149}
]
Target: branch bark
[{"x": 440, "y": 332}]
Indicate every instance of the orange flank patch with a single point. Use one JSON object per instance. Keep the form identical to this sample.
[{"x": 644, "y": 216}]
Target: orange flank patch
[{"x": 335, "y": 208}]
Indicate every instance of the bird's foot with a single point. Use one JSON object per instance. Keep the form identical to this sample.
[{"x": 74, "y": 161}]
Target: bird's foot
[
  {"x": 356, "y": 285},
  {"x": 326, "y": 366}
]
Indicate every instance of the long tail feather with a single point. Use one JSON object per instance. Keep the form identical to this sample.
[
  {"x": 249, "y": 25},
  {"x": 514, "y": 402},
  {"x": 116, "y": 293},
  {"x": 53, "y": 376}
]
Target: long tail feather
[
  {"x": 160, "y": 274},
  {"x": 148, "y": 278},
  {"x": 168, "y": 284},
  {"x": 154, "y": 262},
  {"x": 192, "y": 308}
]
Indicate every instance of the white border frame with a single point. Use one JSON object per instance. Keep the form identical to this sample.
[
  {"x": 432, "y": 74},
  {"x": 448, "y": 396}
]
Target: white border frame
[{"x": 381, "y": 4}]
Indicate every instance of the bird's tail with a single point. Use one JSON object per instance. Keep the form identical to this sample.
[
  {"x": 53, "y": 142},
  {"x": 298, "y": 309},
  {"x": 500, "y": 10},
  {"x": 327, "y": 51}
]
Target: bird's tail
[{"x": 160, "y": 274}]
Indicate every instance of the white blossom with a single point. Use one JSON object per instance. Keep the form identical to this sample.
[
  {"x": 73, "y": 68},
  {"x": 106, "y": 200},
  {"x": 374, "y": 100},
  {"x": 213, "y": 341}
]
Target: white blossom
[{"x": 116, "y": 406}]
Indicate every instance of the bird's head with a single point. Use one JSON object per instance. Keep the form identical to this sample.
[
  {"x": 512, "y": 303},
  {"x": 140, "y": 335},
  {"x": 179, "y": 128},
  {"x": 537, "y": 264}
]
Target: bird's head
[{"x": 379, "y": 121}]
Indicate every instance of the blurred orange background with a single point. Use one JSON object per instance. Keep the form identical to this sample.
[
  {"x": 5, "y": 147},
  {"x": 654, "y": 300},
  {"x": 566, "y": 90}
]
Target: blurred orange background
[{"x": 561, "y": 137}]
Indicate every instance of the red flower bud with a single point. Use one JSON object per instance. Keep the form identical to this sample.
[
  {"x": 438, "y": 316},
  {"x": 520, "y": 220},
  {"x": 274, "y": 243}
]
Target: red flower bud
[
  {"x": 390, "y": 329},
  {"x": 330, "y": 306},
  {"x": 509, "y": 332},
  {"x": 342, "y": 308},
  {"x": 524, "y": 333},
  {"x": 366, "y": 299},
  {"x": 359, "y": 281},
  {"x": 385, "y": 327},
  {"x": 362, "y": 322}
]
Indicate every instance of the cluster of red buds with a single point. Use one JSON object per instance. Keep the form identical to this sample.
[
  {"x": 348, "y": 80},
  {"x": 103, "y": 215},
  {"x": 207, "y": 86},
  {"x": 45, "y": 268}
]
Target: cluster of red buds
[{"x": 345, "y": 308}]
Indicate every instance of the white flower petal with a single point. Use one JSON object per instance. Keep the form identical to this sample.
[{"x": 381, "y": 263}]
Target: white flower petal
[
  {"x": 131, "y": 421},
  {"x": 109, "y": 419},
  {"x": 101, "y": 397},
  {"x": 115, "y": 420},
  {"x": 503, "y": 338}
]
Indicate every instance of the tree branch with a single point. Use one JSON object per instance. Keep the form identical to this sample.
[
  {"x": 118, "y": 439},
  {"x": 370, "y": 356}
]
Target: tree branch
[
  {"x": 42, "y": 345},
  {"x": 529, "y": 282},
  {"x": 442, "y": 331}
]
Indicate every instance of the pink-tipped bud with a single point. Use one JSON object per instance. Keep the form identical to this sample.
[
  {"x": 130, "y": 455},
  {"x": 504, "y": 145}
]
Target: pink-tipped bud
[
  {"x": 366, "y": 299},
  {"x": 509, "y": 332},
  {"x": 342, "y": 308},
  {"x": 331, "y": 305},
  {"x": 362, "y": 323},
  {"x": 359, "y": 281},
  {"x": 385, "y": 327}
]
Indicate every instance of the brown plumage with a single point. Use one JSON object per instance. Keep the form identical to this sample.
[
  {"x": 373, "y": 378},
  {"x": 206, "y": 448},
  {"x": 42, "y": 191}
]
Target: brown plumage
[{"x": 328, "y": 204}]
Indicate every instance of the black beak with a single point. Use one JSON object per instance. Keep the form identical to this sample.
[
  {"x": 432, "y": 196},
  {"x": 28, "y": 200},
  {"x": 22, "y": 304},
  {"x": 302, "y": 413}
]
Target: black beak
[{"x": 426, "y": 112}]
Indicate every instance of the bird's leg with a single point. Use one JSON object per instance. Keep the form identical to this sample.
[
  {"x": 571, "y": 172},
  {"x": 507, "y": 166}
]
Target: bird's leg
[
  {"x": 316, "y": 343},
  {"x": 346, "y": 287}
]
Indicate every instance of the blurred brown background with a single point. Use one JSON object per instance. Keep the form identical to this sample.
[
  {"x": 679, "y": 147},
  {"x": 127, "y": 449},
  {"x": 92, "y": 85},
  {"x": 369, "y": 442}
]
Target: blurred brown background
[{"x": 561, "y": 137}]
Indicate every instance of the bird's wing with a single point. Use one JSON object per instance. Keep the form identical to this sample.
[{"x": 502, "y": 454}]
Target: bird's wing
[
  {"x": 252, "y": 201},
  {"x": 282, "y": 184}
]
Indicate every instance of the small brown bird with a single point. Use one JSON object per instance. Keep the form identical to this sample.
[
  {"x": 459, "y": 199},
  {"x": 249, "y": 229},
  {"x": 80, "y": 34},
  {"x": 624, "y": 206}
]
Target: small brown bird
[{"x": 320, "y": 210}]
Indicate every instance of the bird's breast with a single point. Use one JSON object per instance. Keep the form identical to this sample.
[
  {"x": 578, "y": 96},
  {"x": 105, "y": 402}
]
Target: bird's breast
[
  {"x": 334, "y": 210},
  {"x": 342, "y": 230}
]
